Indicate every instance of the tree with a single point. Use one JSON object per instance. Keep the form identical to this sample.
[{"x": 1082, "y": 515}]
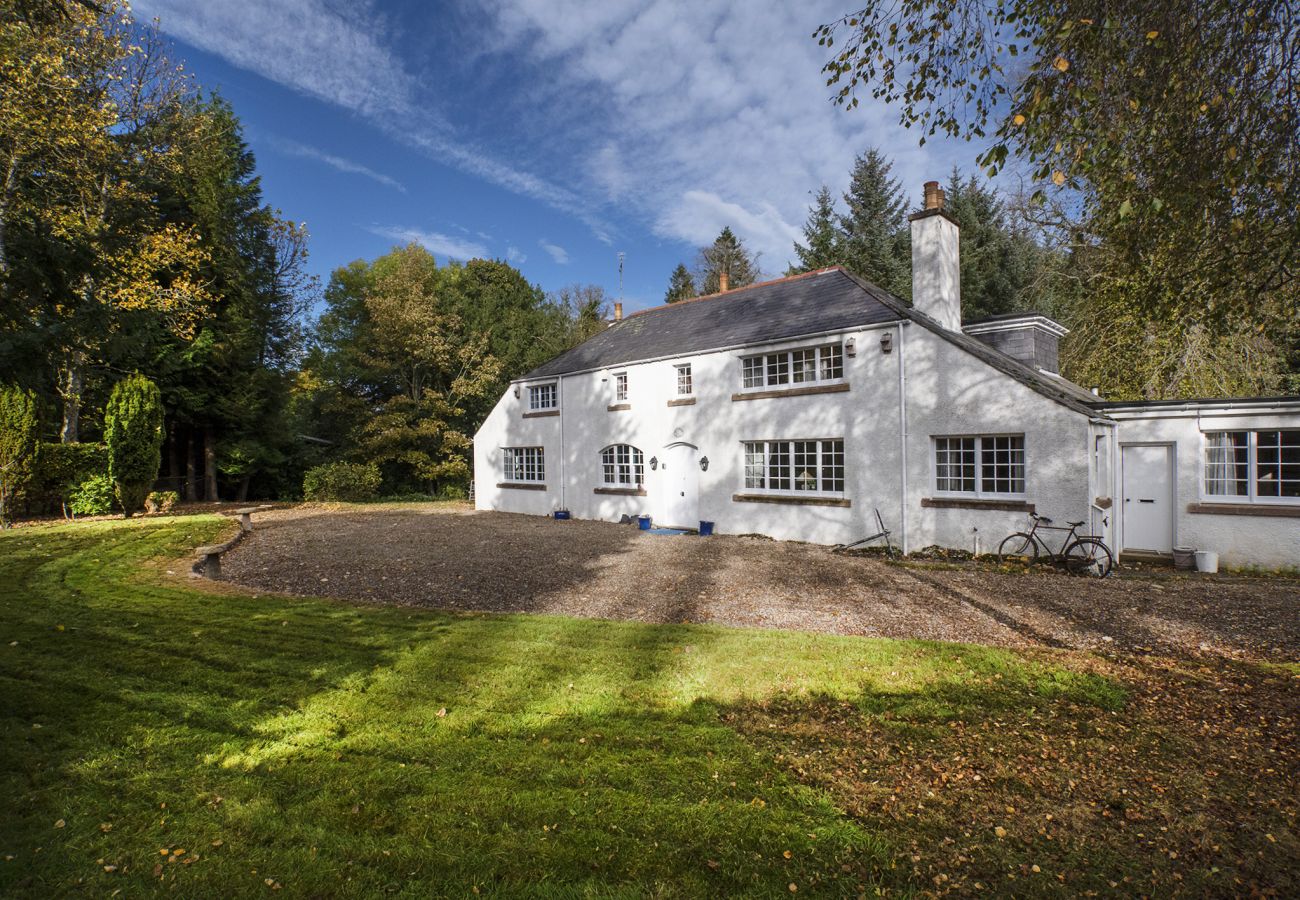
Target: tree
[
  {"x": 681, "y": 285},
  {"x": 726, "y": 255},
  {"x": 133, "y": 430},
  {"x": 875, "y": 239},
  {"x": 17, "y": 446},
  {"x": 1163, "y": 133},
  {"x": 824, "y": 240},
  {"x": 998, "y": 260}
]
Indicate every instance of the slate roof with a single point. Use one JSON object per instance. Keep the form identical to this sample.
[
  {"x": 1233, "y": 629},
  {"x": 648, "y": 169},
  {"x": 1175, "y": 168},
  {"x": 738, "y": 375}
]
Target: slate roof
[{"x": 817, "y": 302}]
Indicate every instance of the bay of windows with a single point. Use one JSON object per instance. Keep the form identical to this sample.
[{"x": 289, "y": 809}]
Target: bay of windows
[
  {"x": 623, "y": 465},
  {"x": 805, "y": 366},
  {"x": 524, "y": 464},
  {"x": 1246, "y": 466},
  {"x": 980, "y": 464},
  {"x": 808, "y": 466}
]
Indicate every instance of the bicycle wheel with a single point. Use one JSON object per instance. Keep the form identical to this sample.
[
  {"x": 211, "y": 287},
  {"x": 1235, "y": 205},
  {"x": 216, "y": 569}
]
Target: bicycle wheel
[
  {"x": 1088, "y": 556},
  {"x": 1018, "y": 548}
]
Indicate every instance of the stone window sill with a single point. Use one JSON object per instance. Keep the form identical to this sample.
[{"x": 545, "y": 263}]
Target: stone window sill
[
  {"x": 521, "y": 485},
  {"x": 792, "y": 500},
  {"x": 977, "y": 503},
  {"x": 838, "y": 388},
  {"x": 618, "y": 407},
  {"x": 621, "y": 491},
  {"x": 682, "y": 401},
  {"x": 1278, "y": 510},
  {"x": 542, "y": 414}
]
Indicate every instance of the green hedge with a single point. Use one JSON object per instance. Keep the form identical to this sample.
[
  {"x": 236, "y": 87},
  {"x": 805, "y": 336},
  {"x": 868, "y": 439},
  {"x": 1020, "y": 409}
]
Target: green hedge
[
  {"x": 350, "y": 482},
  {"x": 61, "y": 469}
]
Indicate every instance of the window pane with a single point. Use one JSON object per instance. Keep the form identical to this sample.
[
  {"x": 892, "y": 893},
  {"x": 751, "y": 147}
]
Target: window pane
[
  {"x": 832, "y": 363},
  {"x": 1277, "y": 464},
  {"x": 541, "y": 396},
  {"x": 523, "y": 464},
  {"x": 805, "y": 465},
  {"x": 1227, "y": 464},
  {"x": 1003, "y": 464},
  {"x": 832, "y": 466},
  {"x": 755, "y": 464},
  {"x": 778, "y": 369},
  {"x": 752, "y": 371},
  {"x": 684, "y": 382},
  {"x": 803, "y": 366},
  {"x": 620, "y": 387},
  {"x": 954, "y": 464},
  {"x": 778, "y": 465}
]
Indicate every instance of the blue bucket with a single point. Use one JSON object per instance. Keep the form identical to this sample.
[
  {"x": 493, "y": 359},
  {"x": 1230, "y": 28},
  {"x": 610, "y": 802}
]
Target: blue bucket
[
  {"x": 561, "y": 514},
  {"x": 706, "y": 528},
  {"x": 643, "y": 522}
]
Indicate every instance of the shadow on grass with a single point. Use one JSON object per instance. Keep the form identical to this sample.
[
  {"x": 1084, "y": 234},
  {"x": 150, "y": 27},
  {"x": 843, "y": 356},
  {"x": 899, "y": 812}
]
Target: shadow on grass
[{"x": 162, "y": 739}]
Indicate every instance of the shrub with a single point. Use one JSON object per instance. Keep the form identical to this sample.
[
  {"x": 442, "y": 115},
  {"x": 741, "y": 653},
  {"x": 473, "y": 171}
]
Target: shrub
[
  {"x": 17, "y": 445},
  {"x": 93, "y": 497},
  {"x": 342, "y": 481},
  {"x": 60, "y": 468},
  {"x": 453, "y": 492},
  {"x": 161, "y": 501},
  {"x": 133, "y": 430}
]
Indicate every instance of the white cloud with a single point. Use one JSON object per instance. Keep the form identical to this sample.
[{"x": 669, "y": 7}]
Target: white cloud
[
  {"x": 433, "y": 241},
  {"x": 515, "y": 256},
  {"x": 558, "y": 253},
  {"x": 305, "y": 151}
]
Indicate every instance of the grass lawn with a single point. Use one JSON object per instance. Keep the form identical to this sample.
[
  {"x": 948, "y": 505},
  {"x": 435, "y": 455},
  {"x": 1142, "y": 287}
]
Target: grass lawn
[{"x": 160, "y": 737}]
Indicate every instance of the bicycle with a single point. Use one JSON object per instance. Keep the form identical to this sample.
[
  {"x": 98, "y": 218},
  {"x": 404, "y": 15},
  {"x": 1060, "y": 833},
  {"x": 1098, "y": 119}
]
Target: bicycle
[{"x": 1086, "y": 555}]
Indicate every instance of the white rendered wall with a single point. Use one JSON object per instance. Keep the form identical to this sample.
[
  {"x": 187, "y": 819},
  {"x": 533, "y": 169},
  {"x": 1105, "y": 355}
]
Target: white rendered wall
[{"x": 1267, "y": 541}]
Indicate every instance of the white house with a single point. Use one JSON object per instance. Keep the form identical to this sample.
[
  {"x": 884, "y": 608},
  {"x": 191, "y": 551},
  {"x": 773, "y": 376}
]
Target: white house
[{"x": 797, "y": 407}]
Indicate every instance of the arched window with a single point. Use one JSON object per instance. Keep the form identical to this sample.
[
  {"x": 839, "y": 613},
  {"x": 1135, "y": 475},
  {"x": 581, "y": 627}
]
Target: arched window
[{"x": 624, "y": 465}]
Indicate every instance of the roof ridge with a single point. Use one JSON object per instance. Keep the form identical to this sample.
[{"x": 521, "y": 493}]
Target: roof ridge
[{"x": 720, "y": 294}]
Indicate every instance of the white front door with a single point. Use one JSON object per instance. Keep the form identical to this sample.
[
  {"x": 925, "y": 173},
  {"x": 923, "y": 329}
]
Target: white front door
[
  {"x": 1148, "y": 498},
  {"x": 679, "y": 507}
]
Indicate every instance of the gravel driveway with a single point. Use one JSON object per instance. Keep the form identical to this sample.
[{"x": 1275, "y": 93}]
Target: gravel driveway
[{"x": 454, "y": 558}]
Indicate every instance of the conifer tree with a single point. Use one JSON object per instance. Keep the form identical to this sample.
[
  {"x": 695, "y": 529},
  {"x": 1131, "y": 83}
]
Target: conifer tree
[
  {"x": 876, "y": 245},
  {"x": 825, "y": 240},
  {"x": 17, "y": 445},
  {"x": 728, "y": 254},
  {"x": 681, "y": 285},
  {"x": 133, "y": 430}
]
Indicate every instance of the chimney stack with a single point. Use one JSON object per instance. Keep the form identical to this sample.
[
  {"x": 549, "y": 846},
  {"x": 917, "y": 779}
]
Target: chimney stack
[
  {"x": 936, "y": 264},
  {"x": 723, "y": 279},
  {"x": 618, "y": 312}
]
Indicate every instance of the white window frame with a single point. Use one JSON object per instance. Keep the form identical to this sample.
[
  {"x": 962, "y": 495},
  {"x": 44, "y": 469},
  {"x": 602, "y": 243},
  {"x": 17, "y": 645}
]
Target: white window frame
[
  {"x": 826, "y": 447},
  {"x": 685, "y": 379},
  {"x": 620, "y": 387},
  {"x": 1252, "y": 494},
  {"x": 523, "y": 465},
  {"x": 631, "y": 464},
  {"x": 770, "y": 365},
  {"x": 981, "y": 492},
  {"x": 534, "y": 390}
]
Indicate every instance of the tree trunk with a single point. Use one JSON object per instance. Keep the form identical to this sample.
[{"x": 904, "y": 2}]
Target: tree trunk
[
  {"x": 6, "y": 194},
  {"x": 174, "y": 458},
  {"x": 191, "y": 482},
  {"x": 70, "y": 384},
  {"x": 210, "y": 466},
  {"x": 242, "y": 495}
]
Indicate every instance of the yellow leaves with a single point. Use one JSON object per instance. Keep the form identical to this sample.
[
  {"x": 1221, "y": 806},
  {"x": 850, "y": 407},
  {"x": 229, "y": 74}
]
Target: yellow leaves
[
  {"x": 1061, "y": 64},
  {"x": 1058, "y": 178},
  {"x": 1000, "y": 831},
  {"x": 162, "y": 273},
  {"x": 60, "y": 824},
  {"x": 1152, "y": 35},
  {"x": 1018, "y": 119}
]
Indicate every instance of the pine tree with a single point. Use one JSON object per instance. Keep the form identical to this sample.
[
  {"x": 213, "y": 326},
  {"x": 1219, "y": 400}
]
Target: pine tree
[
  {"x": 17, "y": 445},
  {"x": 681, "y": 285},
  {"x": 825, "y": 240},
  {"x": 876, "y": 245},
  {"x": 997, "y": 260},
  {"x": 133, "y": 430},
  {"x": 728, "y": 254}
]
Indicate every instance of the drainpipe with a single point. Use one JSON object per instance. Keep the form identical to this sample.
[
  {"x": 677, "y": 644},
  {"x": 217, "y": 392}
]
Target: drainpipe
[
  {"x": 902, "y": 433},
  {"x": 564, "y": 413}
]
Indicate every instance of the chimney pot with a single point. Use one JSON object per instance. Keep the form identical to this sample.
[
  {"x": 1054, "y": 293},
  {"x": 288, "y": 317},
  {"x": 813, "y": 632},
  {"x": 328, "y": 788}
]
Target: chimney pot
[
  {"x": 934, "y": 196},
  {"x": 723, "y": 279},
  {"x": 618, "y": 312}
]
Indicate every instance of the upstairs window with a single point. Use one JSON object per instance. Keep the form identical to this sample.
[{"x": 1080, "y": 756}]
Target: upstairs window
[
  {"x": 543, "y": 397},
  {"x": 805, "y": 366},
  {"x": 685, "y": 383},
  {"x": 980, "y": 465},
  {"x": 1248, "y": 466},
  {"x": 799, "y": 467},
  {"x": 623, "y": 465},
  {"x": 524, "y": 464},
  {"x": 620, "y": 387}
]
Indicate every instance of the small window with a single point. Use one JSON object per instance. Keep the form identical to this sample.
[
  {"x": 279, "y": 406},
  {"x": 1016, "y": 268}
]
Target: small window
[
  {"x": 801, "y": 467},
  {"x": 524, "y": 464},
  {"x": 805, "y": 366},
  {"x": 543, "y": 396},
  {"x": 1248, "y": 466},
  {"x": 986, "y": 464},
  {"x": 685, "y": 384},
  {"x": 623, "y": 465},
  {"x": 620, "y": 387}
]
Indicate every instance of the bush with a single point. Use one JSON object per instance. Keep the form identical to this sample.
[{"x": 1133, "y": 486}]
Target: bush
[
  {"x": 133, "y": 430},
  {"x": 60, "y": 468},
  {"x": 93, "y": 497},
  {"x": 17, "y": 445},
  {"x": 453, "y": 492},
  {"x": 342, "y": 481},
  {"x": 161, "y": 501}
]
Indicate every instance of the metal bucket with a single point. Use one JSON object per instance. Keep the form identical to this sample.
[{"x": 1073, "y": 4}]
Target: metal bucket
[
  {"x": 1184, "y": 558},
  {"x": 1207, "y": 561}
]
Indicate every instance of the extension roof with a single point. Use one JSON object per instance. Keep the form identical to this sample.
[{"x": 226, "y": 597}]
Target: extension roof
[{"x": 819, "y": 302}]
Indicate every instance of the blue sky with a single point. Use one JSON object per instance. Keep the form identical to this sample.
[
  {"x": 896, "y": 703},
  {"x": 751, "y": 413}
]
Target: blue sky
[{"x": 550, "y": 133}]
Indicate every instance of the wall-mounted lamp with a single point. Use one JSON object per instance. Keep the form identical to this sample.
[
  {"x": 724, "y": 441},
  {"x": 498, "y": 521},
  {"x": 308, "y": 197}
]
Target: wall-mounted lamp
[
  {"x": 516, "y": 392},
  {"x": 704, "y": 464},
  {"x": 851, "y": 347},
  {"x": 887, "y": 342},
  {"x": 654, "y": 462}
]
